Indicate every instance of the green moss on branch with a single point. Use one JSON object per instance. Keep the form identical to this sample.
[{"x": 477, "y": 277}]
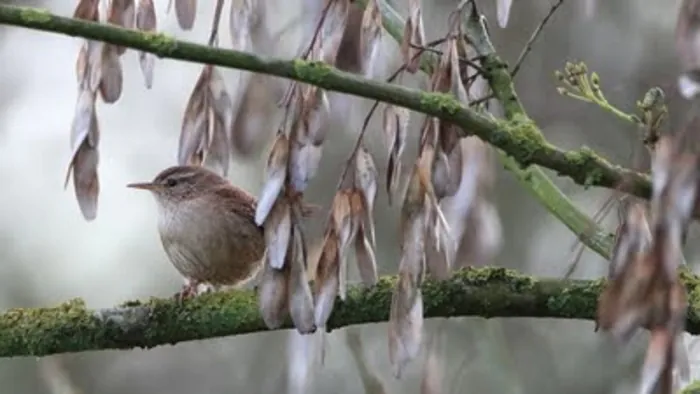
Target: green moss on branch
[
  {"x": 521, "y": 131},
  {"x": 485, "y": 292},
  {"x": 519, "y": 138},
  {"x": 500, "y": 135}
]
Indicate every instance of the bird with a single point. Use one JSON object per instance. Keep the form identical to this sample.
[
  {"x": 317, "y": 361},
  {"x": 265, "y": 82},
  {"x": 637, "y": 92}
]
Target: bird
[{"x": 207, "y": 227}]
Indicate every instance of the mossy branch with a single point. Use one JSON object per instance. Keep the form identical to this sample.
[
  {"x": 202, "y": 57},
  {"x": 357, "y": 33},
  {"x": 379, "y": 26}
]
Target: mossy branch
[
  {"x": 519, "y": 137},
  {"x": 532, "y": 178},
  {"x": 484, "y": 292}
]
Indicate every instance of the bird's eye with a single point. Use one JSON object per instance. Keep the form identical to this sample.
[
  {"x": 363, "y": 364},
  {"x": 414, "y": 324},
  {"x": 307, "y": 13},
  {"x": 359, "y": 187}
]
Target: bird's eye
[{"x": 170, "y": 182}]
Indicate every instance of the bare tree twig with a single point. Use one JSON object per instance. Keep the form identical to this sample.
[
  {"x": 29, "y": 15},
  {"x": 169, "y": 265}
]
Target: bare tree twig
[
  {"x": 365, "y": 123},
  {"x": 215, "y": 24},
  {"x": 519, "y": 137},
  {"x": 370, "y": 113},
  {"x": 533, "y": 179},
  {"x": 287, "y": 97},
  {"x": 317, "y": 30},
  {"x": 528, "y": 46}
]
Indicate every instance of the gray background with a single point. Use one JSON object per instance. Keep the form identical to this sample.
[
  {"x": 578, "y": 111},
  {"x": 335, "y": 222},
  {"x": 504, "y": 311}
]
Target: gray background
[{"x": 50, "y": 254}]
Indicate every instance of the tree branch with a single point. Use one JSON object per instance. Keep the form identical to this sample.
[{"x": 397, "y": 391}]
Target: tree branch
[
  {"x": 484, "y": 292},
  {"x": 519, "y": 137},
  {"x": 531, "y": 178}
]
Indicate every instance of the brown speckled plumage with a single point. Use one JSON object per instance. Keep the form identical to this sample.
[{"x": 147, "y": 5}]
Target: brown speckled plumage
[{"x": 207, "y": 226}]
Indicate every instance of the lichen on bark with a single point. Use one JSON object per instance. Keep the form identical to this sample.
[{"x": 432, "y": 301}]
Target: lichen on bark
[
  {"x": 486, "y": 292},
  {"x": 313, "y": 71}
]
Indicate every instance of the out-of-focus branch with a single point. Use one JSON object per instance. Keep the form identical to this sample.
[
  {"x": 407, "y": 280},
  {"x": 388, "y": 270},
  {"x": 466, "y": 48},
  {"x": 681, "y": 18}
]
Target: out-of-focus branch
[
  {"x": 519, "y": 137},
  {"x": 485, "y": 292}
]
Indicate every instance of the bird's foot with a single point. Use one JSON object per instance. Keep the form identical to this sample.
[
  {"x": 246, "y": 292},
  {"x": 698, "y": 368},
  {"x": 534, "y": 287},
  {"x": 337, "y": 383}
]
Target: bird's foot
[{"x": 189, "y": 290}]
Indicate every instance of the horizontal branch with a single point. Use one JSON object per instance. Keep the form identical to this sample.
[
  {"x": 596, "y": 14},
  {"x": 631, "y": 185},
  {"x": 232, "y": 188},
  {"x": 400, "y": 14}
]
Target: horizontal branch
[
  {"x": 519, "y": 137},
  {"x": 484, "y": 292}
]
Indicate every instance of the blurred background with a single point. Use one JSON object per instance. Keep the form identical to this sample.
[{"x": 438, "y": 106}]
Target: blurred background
[{"x": 50, "y": 254}]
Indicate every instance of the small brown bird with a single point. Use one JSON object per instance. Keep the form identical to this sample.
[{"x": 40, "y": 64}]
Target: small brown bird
[{"x": 207, "y": 227}]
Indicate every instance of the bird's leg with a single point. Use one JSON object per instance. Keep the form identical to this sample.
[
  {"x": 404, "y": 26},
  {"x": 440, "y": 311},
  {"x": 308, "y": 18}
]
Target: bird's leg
[{"x": 189, "y": 290}]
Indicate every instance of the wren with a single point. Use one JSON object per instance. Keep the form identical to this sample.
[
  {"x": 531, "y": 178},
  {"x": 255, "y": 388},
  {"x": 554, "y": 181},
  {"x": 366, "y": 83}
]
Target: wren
[{"x": 207, "y": 227}]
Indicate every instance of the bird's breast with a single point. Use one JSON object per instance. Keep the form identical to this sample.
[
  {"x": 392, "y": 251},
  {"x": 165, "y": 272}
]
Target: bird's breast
[{"x": 209, "y": 246}]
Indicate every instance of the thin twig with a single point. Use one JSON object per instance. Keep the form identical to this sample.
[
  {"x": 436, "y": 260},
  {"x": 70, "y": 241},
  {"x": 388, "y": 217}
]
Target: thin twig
[
  {"x": 614, "y": 199},
  {"x": 476, "y": 102},
  {"x": 597, "y": 218},
  {"x": 528, "y": 47},
  {"x": 461, "y": 59},
  {"x": 433, "y": 43},
  {"x": 578, "y": 246},
  {"x": 215, "y": 25},
  {"x": 371, "y": 111},
  {"x": 287, "y": 98},
  {"x": 365, "y": 123},
  {"x": 317, "y": 30},
  {"x": 599, "y": 215}
]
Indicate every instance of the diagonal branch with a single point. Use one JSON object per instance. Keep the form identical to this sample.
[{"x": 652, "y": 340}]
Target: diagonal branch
[
  {"x": 532, "y": 178},
  {"x": 485, "y": 292}
]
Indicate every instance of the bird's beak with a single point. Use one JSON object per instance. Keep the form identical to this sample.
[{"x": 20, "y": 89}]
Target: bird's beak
[{"x": 143, "y": 185}]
